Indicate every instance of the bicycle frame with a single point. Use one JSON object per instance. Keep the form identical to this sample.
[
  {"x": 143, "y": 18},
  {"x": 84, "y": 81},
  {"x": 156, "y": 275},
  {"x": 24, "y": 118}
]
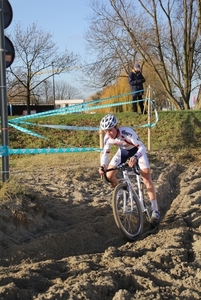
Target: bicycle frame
[
  {"x": 139, "y": 190},
  {"x": 128, "y": 181},
  {"x": 129, "y": 205}
]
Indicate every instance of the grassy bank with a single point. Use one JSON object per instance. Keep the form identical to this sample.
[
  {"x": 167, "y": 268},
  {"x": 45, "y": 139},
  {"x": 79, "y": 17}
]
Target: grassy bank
[
  {"x": 175, "y": 138},
  {"x": 177, "y": 132}
]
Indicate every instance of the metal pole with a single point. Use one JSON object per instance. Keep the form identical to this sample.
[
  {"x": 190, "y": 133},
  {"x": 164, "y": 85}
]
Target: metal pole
[
  {"x": 53, "y": 83},
  {"x": 3, "y": 97}
]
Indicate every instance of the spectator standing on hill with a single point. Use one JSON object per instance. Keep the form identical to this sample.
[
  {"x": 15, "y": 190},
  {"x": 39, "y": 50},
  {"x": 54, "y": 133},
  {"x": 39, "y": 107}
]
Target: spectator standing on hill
[{"x": 136, "y": 80}]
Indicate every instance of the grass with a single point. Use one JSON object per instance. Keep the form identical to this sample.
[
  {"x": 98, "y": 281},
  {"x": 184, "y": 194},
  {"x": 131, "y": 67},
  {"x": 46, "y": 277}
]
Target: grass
[
  {"x": 177, "y": 135},
  {"x": 9, "y": 194},
  {"x": 176, "y": 132}
]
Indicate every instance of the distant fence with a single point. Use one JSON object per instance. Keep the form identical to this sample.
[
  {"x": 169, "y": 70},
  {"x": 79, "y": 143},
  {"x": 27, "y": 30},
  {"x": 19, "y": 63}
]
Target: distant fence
[{"x": 19, "y": 110}]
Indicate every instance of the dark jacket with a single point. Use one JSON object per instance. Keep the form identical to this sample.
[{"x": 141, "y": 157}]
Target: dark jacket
[{"x": 136, "y": 81}]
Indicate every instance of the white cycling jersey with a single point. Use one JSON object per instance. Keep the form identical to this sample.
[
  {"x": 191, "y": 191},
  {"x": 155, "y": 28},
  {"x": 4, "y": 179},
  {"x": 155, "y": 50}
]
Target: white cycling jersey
[{"x": 126, "y": 139}]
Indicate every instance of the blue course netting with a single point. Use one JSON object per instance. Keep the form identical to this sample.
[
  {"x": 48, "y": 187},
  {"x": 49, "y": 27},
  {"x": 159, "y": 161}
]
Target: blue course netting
[
  {"x": 5, "y": 151},
  {"x": 81, "y": 107}
]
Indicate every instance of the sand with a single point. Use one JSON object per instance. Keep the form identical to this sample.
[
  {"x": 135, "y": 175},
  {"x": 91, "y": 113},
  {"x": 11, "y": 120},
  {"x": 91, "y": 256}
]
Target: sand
[{"x": 63, "y": 243}]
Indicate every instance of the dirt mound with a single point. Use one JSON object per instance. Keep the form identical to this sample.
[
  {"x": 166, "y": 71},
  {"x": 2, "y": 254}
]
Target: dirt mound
[{"x": 63, "y": 242}]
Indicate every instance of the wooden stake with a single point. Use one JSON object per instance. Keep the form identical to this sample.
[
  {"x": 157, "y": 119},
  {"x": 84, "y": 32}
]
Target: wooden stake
[{"x": 149, "y": 117}]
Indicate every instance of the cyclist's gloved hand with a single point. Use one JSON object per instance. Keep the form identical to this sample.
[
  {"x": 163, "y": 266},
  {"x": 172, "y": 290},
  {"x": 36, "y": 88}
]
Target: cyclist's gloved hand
[
  {"x": 132, "y": 161},
  {"x": 102, "y": 169}
]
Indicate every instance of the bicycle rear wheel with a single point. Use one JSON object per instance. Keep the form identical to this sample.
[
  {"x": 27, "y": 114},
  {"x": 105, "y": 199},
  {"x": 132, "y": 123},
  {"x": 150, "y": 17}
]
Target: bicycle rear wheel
[{"x": 127, "y": 214}]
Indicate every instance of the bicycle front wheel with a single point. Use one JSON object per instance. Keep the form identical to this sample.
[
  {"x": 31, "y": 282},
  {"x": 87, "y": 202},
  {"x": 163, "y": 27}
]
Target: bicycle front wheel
[{"x": 127, "y": 212}]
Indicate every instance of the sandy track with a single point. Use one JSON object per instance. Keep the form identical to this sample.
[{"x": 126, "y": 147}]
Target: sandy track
[{"x": 64, "y": 244}]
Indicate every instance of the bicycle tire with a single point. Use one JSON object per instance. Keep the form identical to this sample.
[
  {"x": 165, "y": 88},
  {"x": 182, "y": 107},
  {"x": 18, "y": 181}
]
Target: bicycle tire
[{"x": 129, "y": 221}]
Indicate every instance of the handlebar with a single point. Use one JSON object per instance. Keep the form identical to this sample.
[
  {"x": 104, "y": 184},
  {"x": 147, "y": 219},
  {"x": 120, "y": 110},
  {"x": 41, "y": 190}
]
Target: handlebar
[{"x": 123, "y": 167}]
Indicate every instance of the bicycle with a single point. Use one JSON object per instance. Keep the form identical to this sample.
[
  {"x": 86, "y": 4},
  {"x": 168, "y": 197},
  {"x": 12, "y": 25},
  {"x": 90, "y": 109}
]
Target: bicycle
[{"x": 129, "y": 203}]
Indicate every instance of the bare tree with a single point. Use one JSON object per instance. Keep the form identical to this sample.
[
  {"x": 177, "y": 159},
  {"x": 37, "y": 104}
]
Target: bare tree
[
  {"x": 35, "y": 52},
  {"x": 199, "y": 13},
  {"x": 110, "y": 43},
  {"x": 65, "y": 91},
  {"x": 163, "y": 34}
]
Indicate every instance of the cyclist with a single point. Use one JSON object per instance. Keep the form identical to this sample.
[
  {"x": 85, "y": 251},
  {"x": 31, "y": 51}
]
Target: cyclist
[{"x": 129, "y": 147}]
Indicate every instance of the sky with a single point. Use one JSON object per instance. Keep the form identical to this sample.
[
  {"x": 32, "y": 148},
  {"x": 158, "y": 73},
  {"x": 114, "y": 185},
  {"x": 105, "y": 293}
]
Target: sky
[{"x": 66, "y": 20}]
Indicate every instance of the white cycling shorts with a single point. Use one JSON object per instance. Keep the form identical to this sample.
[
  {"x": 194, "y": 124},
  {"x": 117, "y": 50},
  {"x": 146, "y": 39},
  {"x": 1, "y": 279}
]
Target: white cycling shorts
[{"x": 122, "y": 155}]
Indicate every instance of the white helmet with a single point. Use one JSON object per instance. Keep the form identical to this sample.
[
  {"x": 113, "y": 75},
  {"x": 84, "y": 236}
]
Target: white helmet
[{"x": 109, "y": 121}]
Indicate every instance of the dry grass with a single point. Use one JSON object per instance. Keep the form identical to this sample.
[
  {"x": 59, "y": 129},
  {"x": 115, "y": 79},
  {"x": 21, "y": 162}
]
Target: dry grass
[{"x": 10, "y": 190}]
